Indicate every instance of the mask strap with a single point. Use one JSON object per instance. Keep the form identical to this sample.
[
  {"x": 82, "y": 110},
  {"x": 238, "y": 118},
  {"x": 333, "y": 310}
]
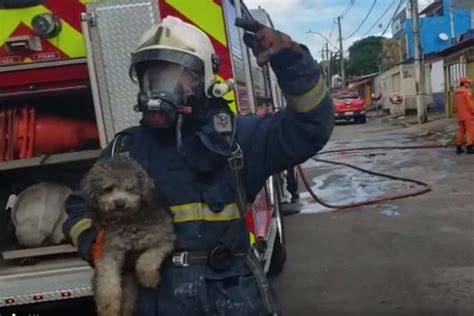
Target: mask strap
[{"x": 179, "y": 126}]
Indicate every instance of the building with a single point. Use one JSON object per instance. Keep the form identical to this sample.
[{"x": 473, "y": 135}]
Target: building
[
  {"x": 366, "y": 86},
  {"x": 398, "y": 83},
  {"x": 458, "y": 59},
  {"x": 467, "y": 5},
  {"x": 441, "y": 24}
]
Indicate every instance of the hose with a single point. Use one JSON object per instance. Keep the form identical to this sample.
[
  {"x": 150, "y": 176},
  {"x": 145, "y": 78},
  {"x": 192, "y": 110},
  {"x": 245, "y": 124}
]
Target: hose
[
  {"x": 379, "y": 199},
  {"x": 384, "y": 148}
]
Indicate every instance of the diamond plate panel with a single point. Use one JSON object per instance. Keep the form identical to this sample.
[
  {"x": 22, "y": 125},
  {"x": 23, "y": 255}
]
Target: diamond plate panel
[
  {"x": 119, "y": 26},
  {"x": 22, "y": 289}
]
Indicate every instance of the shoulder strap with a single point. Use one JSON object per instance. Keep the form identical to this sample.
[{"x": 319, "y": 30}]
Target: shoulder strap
[
  {"x": 122, "y": 142},
  {"x": 226, "y": 125}
]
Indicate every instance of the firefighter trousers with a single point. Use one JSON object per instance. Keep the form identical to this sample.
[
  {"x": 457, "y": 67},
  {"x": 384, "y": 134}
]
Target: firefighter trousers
[
  {"x": 187, "y": 291},
  {"x": 466, "y": 127}
]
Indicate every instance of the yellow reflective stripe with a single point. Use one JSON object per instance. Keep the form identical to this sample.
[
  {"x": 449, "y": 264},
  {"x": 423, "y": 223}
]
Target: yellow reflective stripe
[
  {"x": 69, "y": 41},
  {"x": 310, "y": 99},
  {"x": 79, "y": 228},
  {"x": 202, "y": 212},
  {"x": 252, "y": 239},
  {"x": 229, "y": 97},
  {"x": 205, "y": 14}
]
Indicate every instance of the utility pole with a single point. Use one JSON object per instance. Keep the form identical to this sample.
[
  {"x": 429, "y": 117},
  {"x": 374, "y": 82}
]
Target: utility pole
[
  {"x": 421, "y": 110},
  {"x": 330, "y": 71},
  {"x": 328, "y": 62},
  {"x": 341, "y": 52}
]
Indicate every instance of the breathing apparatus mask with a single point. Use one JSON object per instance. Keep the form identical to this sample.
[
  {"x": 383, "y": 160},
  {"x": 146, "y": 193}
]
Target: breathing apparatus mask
[{"x": 168, "y": 89}]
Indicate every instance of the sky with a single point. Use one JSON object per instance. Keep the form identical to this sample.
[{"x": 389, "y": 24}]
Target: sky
[{"x": 296, "y": 17}]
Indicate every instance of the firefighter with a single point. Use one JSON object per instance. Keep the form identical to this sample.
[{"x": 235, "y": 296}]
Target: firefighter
[
  {"x": 465, "y": 113},
  {"x": 186, "y": 152}
]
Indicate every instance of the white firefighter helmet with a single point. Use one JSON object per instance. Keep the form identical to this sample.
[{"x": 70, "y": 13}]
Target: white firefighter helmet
[{"x": 175, "y": 41}]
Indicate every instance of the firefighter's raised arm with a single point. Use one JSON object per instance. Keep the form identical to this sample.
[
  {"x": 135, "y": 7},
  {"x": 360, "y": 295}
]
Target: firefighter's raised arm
[{"x": 292, "y": 136}]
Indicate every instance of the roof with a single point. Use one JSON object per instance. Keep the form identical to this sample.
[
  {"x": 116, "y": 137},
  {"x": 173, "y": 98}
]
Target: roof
[
  {"x": 457, "y": 47},
  {"x": 364, "y": 78},
  {"x": 432, "y": 7}
]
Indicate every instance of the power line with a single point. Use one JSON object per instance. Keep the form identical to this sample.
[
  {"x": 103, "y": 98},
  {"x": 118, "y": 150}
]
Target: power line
[
  {"x": 393, "y": 17},
  {"x": 363, "y": 21},
  {"x": 349, "y": 7},
  {"x": 383, "y": 15}
]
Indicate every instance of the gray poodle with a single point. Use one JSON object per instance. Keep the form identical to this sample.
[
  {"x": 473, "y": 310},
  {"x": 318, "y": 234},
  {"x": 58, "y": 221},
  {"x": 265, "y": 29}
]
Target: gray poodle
[{"x": 138, "y": 230}]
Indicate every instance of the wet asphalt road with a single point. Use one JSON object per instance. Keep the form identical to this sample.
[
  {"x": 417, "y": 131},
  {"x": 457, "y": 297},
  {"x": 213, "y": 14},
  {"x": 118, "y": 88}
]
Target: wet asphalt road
[{"x": 407, "y": 257}]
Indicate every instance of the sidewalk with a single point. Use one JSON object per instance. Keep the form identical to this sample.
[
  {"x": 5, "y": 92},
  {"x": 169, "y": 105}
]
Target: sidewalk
[{"x": 438, "y": 129}]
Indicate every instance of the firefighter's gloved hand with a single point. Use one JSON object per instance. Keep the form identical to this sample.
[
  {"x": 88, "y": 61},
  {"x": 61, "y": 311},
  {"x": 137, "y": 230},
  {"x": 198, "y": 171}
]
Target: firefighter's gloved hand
[
  {"x": 91, "y": 245},
  {"x": 269, "y": 45}
]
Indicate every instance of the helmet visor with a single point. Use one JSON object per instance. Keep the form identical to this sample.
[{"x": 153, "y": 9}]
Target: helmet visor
[{"x": 172, "y": 80}]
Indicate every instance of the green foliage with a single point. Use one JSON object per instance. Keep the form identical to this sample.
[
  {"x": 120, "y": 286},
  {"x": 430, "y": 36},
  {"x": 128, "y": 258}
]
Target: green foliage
[{"x": 364, "y": 56}]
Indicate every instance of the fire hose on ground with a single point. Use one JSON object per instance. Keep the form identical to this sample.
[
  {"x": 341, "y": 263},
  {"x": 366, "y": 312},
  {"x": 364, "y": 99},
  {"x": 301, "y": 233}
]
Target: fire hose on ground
[{"x": 378, "y": 199}]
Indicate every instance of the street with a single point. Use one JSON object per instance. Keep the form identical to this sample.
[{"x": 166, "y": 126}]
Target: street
[{"x": 407, "y": 257}]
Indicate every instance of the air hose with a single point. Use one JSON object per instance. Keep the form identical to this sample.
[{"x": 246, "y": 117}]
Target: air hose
[{"x": 376, "y": 200}]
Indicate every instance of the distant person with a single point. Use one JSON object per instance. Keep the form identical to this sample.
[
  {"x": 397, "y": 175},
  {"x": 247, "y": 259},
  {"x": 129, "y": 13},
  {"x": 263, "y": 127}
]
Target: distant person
[{"x": 465, "y": 112}]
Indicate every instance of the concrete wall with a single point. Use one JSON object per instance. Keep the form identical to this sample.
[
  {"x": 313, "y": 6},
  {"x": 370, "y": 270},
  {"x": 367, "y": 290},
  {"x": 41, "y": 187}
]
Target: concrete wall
[
  {"x": 466, "y": 4},
  {"x": 400, "y": 81},
  {"x": 433, "y": 26},
  {"x": 437, "y": 85}
]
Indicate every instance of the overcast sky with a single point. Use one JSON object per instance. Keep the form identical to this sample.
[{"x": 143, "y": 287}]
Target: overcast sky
[{"x": 295, "y": 17}]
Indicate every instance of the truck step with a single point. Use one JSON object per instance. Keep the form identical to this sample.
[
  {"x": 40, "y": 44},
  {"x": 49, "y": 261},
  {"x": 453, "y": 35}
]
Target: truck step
[
  {"x": 44, "y": 286},
  {"x": 38, "y": 252}
]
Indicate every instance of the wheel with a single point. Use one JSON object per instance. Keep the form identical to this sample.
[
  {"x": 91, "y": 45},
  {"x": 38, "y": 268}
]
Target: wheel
[{"x": 278, "y": 259}]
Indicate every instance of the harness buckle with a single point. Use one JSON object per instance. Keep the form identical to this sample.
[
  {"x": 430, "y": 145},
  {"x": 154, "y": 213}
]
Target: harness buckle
[
  {"x": 236, "y": 159},
  {"x": 181, "y": 259}
]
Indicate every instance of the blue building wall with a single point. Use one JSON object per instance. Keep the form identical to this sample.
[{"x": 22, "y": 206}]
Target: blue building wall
[{"x": 431, "y": 27}]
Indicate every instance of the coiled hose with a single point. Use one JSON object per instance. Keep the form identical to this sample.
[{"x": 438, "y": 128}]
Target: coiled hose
[{"x": 379, "y": 199}]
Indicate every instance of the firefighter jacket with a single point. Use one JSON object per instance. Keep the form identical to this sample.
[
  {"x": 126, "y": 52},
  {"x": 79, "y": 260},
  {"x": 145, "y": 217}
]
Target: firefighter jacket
[
  {"x": 197, "y": 182},
  {"x": 464, "y": 104}
]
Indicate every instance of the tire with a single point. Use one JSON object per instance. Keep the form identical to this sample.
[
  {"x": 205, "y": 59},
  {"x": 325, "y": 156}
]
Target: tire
[{"x": 279, "y": 254}]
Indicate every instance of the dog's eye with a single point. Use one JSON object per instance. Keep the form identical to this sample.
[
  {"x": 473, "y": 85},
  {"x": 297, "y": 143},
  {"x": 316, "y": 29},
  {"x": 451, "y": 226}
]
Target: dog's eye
[{"x": 108, "y": 188}]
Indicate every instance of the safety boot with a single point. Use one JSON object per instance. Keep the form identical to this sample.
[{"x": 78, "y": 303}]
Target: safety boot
[
  {"x": 470, "y": 149},
  {"x": 459, "y": 149}
]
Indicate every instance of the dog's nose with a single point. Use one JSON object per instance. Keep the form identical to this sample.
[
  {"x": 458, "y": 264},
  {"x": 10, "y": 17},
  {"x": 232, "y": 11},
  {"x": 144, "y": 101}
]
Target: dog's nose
[{"x": 120, "y": 203}]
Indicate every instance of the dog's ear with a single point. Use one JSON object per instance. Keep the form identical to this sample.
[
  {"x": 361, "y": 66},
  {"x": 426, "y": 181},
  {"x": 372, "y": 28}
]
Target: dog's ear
[{"x": 90, "y": 183}]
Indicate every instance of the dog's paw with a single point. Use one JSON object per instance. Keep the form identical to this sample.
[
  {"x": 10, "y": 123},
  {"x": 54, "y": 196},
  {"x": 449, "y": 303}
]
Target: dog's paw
[
  {"x": 108, "y": 308},
  {"x": 148, "y": 277}
]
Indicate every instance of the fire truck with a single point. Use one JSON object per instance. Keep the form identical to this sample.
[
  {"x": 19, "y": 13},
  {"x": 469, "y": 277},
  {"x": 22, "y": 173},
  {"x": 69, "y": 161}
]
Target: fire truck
[{"x": 65, "y": 93}]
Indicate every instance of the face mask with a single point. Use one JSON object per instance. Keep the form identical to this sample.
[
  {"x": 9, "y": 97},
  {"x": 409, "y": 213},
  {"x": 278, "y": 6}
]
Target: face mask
[{"x": 166, "y": 90}]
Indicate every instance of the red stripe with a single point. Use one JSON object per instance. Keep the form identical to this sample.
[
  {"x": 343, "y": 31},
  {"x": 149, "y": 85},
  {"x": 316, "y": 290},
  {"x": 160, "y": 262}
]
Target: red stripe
[
  {"x": 70, "y": 12},
  {"x": 222, "y": 51},
  {"x": 23, "y": 29}
]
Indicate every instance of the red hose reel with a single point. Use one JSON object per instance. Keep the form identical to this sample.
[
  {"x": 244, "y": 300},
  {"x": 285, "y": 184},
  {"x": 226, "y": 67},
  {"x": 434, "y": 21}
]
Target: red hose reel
[{"x": 24, "y": 133}]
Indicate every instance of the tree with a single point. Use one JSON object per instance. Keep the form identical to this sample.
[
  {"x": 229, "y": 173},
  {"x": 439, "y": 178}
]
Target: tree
[{"x": 364, "y": 56}]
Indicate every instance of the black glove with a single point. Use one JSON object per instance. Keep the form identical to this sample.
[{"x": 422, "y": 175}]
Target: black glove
[{"x": 269, "y": 45}]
